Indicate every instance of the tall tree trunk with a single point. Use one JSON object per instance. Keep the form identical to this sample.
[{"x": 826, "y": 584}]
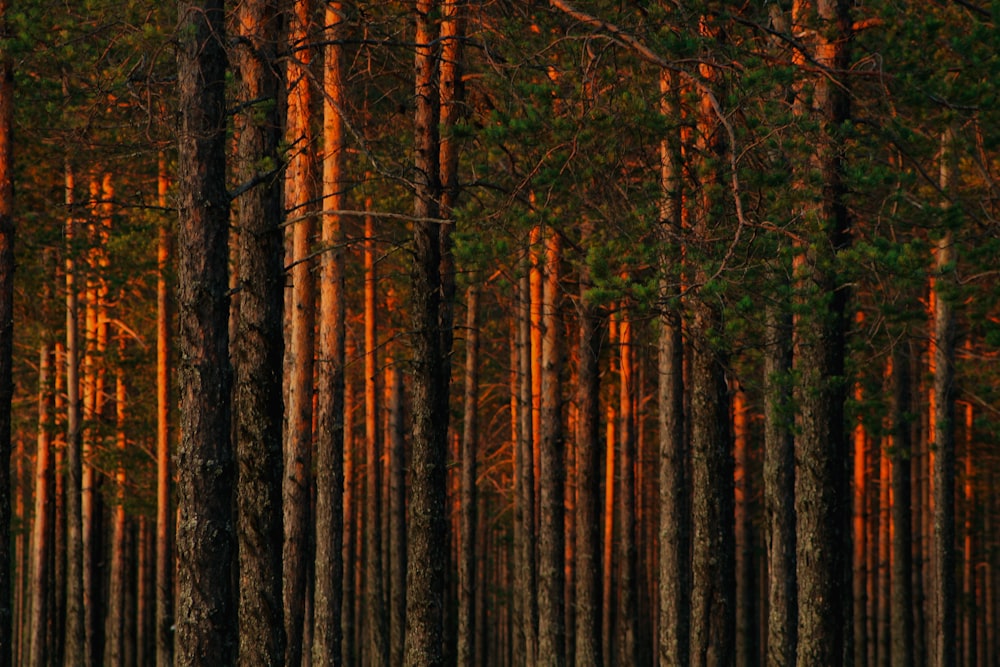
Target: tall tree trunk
[
  {"x": 859, "y": 509},
  {"x": 746, "y": 613},
  {"x": 918, "y": 458},
  {"x": 551, "y": 545},
  {"x": 55, "y": 634},
  {"x": 329, "y": 569},
  {"x": 397, "y": 517},
  {"x": 114, "y": 632},
  {"x": 944, "y": 423},
  {"x": 258, "y": 407},
  {"x": 588, "y": 475},
  {"x": 41, "y": 529},
  {"x": 427, "y": 535},
  {"x": 7, "y": 229},
  {"x": 608, "y": 524},
  {"x": 468, "y": 532},
  {"x": 884, "y": 555},
  {"x": 628, "y": 607},
  {"x": 525, "y": 535},
  {"x": 74, "y": 646},
  {"x": 970, "y": 604},
  {"x": 375, "y": 610},
  {"x": 822, "y": 482},
  {"x": 300, "y": 191},
  {"x": 206, "y": 614},
  {"x": 902, "y": 556},
  {"x": 165, "y": 517},
  {"x": 674, "y": 529}
]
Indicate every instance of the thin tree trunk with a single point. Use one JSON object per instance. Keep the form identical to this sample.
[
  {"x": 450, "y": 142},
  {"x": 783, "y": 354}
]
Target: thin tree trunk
[
  {"x": 674, "y": 527},
  {"x": 376, "y": 618},
  {"x": 164, "y": 515},
  {"x": 329, "y": 598},
  {"x": 944, "y": 423},
  {"x": 902, "y": 560},
  {"x": 588, "y": 477},
  {"x": 860, "y": 510},
  {"x": 525, "y": 576},
  {"x": 970, "y": 606},
  {"x": 7, "y": 229},
  {"x": 608, "y": 525},
  {"x": 468, "y": 533},
  {"x": 300, "y": 192},
  {"x": 628, "y": 609},
  {"x": 55, "y": 634},
  {"x": 884, "y": 556},
  {"x": 551, "y": 545},
  {"x": 918, "y": 460},
  {"x": 114, "y": 631},
  {"x": 746, "y": 617},
  {"x": 206, "y": 613},
  {"x": 41, "y": 529},
  {"x": 74, "y": 655},
  {"x": 397, "y": 517}
]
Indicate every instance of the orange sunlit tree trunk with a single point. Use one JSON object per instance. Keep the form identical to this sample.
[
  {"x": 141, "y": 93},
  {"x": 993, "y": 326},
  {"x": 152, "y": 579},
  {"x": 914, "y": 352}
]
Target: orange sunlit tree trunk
[
  {"x": 470, "y": 435},
  {"x": 41, "y": 535}
]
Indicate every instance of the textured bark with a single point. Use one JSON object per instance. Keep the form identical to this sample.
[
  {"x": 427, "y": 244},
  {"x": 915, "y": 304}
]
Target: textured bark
[
  {"x": 588, "y": 478},
  {"x": 165, "y": 517},
  {"x": 551, "y": 546},
  {"x": 525, "y": 536},
  {"x": 944, "y": 558},
  {"x": 970, "y": 606},
  {"x": 608, "y": 524},
  {"x": 902, "y": 553},
  {"x": 746, "y": 581},
  {"x": 114, "y": 624},
  {"x": 329, "y": 569},
  {"x": 74, "y": 643},
  {"x": 674, "y": 529},
  {"x": 628, "y": 592},
  {"x": 468, "y": 533},
  {"x": 860, "y": 531},
  {"x": 259, "y": 347},
  {"x": 427, "y": 535},
  {"x": 300, "y": 191},
  {"x": 822, "y": 482},
  {"x": 397, "y": 517},
  {"x": 884, "y": 554},
  {"x": 41, "y": 529},
  {"x": 375, "y": 619},
  {"x": 206, "y": 613},
  {"x": 7, "y": 229}
]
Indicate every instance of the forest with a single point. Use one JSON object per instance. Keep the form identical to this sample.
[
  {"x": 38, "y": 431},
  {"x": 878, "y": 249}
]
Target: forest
[{"x": 499, "y": 332}]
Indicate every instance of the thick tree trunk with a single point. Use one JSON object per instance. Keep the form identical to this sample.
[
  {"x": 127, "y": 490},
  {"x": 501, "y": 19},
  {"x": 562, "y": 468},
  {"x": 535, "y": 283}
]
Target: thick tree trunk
[
  {"x": 258, "y": 407},
  {"x": 551, "y": 545},
  {"x": 468, "y": 533},
  {"x": 329, "y": 599},
  {"x": 7, "y": 229},
  {"x": 822, "y": 482},
  {"x": 206, "y": 613},
  {"x": 41, "y": 529},
  {"x": 165, "y": 517},
  {"x": 588, "y": 477},
  {"x": 300, "y": 192},
  {"x": 427, "y": 535}
]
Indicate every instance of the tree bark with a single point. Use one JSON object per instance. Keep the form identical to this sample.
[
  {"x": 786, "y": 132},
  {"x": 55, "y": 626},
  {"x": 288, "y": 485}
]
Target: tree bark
[
  {"x": 330, "y": 442},
  {"x": 468, "y": 533},
  {"x": 525, "y": 536},
  {"x": 747, "y": 653},
  {"x": 7, "y": 229},
  {"x": 41, "y": 529},
  {"x": 397, "y": 517},
  {"x": 551, "y": 546},
  {"x": 206, "y": 614},
  {"x": 114, "y": 632},
  {"x": 300, "y": 191},
  {"x": 902, "y": 556},
  {"x": 427, "y": 535},
  {"x": 628, "y": 604}
]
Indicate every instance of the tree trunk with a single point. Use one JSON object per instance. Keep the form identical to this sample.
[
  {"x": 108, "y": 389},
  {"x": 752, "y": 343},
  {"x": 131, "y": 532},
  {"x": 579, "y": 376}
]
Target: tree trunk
[
  {"x": 859, "y": 509},
  {"x": 41, "y": 529},
  {"x": 300, "y": 191},
  {"x": 7, "y": 229},
  {"x": 551, "y": 538},
  {"x": 206, "y": 614},
  {"x": 884, "y": 555},
  {"x": 165, "y": 517},
  {"x": 114, "y": 632},
  {"x": 746, "y": 613},
  {"x": 902, "y": 557},
  {"x": 822, "y": 482},
  {"x": 944, "y": 423},
  {"x": 329, "y": 569},
  {"x": 257, "y": 401},
  {"x": 628, "y": 607},
  {"x": 970, "y": 606},
  {"x": 468, "y": 532},
  {"x": 397, "y": 517},
  {"x": 608, "y": 524},
  {"x": 588, "y": 476},
  {"x": 674, "y": 529},
  {"x": 525, "y": 537}
]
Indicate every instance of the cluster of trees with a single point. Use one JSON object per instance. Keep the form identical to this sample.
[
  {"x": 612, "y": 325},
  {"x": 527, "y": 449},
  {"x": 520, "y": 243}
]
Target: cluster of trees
[{"x": 499, "y": 333}]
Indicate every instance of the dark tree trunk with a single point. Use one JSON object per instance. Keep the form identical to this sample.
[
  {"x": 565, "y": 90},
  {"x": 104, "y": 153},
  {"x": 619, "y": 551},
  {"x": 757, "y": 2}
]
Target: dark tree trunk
[
  {"x": 628, "y": 590},
  {"x": 6, "y": 326},
  {"x": 902, "y": 557},
  {"x": 397, "y": 518},
  {"x": 470, "y": 435},
  {"x": 427, "y": 535},
  {"x": 257, "y": 403},
  {"x": 206, "y": 613}
]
